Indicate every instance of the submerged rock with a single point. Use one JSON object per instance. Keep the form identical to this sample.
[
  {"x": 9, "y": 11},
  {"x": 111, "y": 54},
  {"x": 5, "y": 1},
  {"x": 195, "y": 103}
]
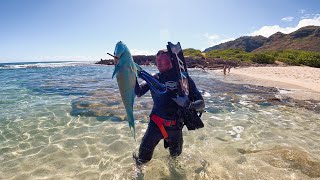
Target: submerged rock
[{"x": 287, "y": 157}]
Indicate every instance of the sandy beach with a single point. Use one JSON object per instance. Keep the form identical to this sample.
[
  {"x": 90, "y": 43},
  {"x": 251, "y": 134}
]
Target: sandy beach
[{"x": 301, "y": 82}]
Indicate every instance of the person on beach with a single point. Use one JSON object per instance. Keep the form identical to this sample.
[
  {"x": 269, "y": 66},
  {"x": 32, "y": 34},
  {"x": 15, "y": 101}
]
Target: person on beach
[
  {"x": 228, "y": 65},
  {"x": 225, "y": 66},
  {"x": 164, "y": 116}
]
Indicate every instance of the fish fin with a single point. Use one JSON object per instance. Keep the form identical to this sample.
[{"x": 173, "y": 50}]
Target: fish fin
[
  {"x": 134, "y": 68},
  {"x": 116, "y": 69},
  {"x": 138, "y": 68}
]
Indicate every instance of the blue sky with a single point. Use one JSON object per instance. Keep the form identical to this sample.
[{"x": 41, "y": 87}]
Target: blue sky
[{"x": 85, "y": 30}]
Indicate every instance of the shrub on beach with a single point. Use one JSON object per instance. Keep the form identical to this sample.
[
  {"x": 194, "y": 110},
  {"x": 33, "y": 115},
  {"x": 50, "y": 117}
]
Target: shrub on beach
[
  {"x": 262, "y": 58},
  {"x": 310, "y": 59},
  {"x": 297, "y": 57},
  {"x": 193, "y": 53},
  {"x": 229, "y": 54}
]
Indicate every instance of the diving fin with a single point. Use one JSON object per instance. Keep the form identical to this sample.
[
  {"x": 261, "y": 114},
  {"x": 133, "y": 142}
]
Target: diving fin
[
  {"x": 180, "y": 67},
  {"x": 116, "y": 69},
  {"x": 153, "y": 83}
]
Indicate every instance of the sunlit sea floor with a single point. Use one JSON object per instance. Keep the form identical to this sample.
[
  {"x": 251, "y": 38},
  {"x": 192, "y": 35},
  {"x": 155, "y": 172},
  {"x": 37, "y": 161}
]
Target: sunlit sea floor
[{"x": 66, "y": 122}]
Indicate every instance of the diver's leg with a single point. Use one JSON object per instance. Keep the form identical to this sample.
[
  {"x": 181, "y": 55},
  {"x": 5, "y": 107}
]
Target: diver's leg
[
  {"x": 175, "y": 142},
  {"x": 149, "y": 141}
]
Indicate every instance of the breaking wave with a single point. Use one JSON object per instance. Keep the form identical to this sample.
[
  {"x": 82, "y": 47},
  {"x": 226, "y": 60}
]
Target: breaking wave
[{"x": 21, "y": 65}]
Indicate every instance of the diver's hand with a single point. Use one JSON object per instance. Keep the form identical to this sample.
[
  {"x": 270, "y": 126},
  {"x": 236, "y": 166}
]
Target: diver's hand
[{"x": 182, "y": 101}]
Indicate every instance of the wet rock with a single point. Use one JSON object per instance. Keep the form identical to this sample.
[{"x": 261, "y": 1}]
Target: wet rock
[{"x": 311, "y": 105}]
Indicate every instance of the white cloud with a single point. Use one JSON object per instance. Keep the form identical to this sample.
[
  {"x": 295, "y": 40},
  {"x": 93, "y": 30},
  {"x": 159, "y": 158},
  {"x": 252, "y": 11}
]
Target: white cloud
[
  {"x": 307, "y": 22},
  {"x": 287, "y": 19},
  {"x": 269, "y": 30},
  {"x": 142, "y": 52},
  {"x": 306, "y": 16},
  {"x": 310, "y": 16}
]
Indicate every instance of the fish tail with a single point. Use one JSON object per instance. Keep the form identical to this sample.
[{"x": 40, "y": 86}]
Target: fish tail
[
  {"x": 130, "y": 119},
  {"x": 132, "y": 128}
]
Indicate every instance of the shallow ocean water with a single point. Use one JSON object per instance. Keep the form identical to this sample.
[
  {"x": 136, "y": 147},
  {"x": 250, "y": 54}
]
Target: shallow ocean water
[{"x": 65, "y": 121}]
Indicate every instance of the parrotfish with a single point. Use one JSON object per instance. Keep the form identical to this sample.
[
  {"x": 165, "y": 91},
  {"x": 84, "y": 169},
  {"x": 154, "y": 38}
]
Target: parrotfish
[{"x": 126, "y": 73}]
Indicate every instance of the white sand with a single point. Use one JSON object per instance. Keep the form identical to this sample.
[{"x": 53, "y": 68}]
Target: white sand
[{"x": 302, "y": 82}]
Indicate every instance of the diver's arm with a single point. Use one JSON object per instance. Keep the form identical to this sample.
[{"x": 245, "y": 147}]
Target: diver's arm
[
  {"x": 195, "y": 95},
  {"x": 183, "y": 101},
  {"x": 141, "y": 89},
  {"x": 198, "y": 104}
]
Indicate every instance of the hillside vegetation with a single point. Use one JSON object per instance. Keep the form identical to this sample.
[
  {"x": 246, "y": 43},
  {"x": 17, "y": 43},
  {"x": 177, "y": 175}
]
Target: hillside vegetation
[
  {"x": 194, "y": 53},
  {"x": 290, "y": 57}
]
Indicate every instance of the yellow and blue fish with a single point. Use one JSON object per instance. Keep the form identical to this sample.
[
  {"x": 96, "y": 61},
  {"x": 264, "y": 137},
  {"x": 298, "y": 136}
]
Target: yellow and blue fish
[{"x": 126, "y": 71}]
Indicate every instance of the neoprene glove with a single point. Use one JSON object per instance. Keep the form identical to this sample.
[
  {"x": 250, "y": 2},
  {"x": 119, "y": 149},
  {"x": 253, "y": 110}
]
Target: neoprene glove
[{"x": 182, "y": 101}]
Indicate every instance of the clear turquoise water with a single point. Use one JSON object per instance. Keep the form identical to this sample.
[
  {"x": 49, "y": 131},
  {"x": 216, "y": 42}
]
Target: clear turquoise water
[{"x": 65, "y": 121}]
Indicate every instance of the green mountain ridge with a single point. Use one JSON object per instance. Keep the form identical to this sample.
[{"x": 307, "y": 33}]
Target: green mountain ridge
[{"x": 306, "y": 38}]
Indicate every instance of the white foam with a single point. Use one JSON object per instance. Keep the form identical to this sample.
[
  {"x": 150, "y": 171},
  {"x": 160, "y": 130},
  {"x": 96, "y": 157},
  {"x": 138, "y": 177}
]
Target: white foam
[
  {"x": 231, "y": 133},
  {"x": 244, "y": 96},
  {"x": 237, "y": 138},
  {"x": 284, "y": 91},
  {"x": 265, "y": 112},
  {"x": 244, "y": 102},
  {"x": 43, "y": 65},
  {"x": 238, "y": 129},
  {"x": 18, "y": 119},
  {"x": 217, "y": 118}
]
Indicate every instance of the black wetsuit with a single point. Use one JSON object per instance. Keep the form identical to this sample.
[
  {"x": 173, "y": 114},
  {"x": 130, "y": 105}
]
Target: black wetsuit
[{"x": 165, "y": 108}]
